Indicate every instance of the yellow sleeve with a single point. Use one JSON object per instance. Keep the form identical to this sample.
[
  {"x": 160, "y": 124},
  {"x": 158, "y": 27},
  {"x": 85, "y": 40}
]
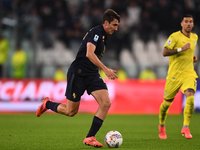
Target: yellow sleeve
[{"x": 171, "y": 41}]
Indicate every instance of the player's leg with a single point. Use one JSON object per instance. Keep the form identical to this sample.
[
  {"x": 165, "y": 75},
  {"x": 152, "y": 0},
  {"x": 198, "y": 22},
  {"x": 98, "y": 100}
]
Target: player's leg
[
  {"x": 103, "y": 100},
  {"x": 98, "y": 89},
  {"x": 188, "y": 112},
  {"x": 190, "y": 86},
  {"x": 70, "y": 109},
  {"x": 171, "y": 89},
  {"x": 164, "y": 107},
  {"x": 74, "y": 91},
  {"x": 189, "y": 106}
]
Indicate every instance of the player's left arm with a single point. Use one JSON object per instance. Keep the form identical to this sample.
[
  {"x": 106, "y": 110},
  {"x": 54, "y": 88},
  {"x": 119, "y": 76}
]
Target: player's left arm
[{"x": 195, "y": 59}]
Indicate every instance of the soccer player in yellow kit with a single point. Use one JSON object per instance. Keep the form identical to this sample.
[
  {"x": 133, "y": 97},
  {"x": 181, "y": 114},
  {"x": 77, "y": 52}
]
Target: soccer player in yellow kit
[{"x": 180, "y": 48}]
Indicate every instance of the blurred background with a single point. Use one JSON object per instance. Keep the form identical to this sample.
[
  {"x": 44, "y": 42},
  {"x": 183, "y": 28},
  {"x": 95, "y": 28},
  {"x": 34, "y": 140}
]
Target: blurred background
[
  {"x": 40, "y": 38},
  {"x": 45, "y": 34}
]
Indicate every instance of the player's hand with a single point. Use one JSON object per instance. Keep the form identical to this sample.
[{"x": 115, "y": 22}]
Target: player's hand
[
  {"x": 195, "y": 59},
  {"x": 111, "y": 74},
  {"x": 186, "y": 46}
]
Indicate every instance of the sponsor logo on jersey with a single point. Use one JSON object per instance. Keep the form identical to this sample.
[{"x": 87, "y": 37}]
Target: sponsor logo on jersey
[
  {"x": 169, "y": 42},
  {"x": 195, "y": 43},
  {"x": 96, "y": 37}
]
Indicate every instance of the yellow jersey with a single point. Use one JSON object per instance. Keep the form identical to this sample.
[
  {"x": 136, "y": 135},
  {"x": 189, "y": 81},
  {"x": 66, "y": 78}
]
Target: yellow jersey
[{"x": 181, "y": 64}]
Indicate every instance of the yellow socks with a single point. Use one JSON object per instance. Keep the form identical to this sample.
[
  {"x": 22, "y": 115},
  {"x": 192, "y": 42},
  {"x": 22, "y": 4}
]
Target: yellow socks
[
  {"x": 188, "y": 110},
  {"x": 163, "y": 112}
]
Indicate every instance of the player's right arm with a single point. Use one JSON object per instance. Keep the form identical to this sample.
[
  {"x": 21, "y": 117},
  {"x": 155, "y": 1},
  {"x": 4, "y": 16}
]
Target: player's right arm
[
  {"x": 94, "y": 59},
  {"x": 169, "y": 52}
]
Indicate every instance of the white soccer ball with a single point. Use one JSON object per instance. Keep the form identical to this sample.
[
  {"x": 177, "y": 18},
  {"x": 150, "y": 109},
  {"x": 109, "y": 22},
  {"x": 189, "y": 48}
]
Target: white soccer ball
[{"x": 113, "y": 139}]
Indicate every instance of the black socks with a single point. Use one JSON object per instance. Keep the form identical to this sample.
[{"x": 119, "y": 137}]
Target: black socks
[
  {"x": 52, "y": 105},
  {"x": 96, "y": 124}
]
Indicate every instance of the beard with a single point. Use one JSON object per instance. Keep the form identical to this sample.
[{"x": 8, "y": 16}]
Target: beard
[{"x": 188, "y": 30}]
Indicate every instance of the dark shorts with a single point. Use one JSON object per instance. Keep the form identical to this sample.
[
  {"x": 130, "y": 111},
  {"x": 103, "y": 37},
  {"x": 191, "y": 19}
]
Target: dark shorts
[{"x": 76, "y": 85}]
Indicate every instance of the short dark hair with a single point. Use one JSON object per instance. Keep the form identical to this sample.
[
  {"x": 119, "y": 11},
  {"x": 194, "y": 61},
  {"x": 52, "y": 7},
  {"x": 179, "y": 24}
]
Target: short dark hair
[
  {"x": 186, "y": 15},
  {"x": 110, "y": 15}
]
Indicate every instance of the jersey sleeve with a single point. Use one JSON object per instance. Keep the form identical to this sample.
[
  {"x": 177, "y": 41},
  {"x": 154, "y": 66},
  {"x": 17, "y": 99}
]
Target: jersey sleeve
[
  {"x": 94, "y": 36},
  {"x": 197, "y": 37},
  {"x": 171, "y": 42}
]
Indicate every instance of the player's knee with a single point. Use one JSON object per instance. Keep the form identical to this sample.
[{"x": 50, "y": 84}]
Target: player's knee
[
  {"x": 106, "y": 104},
  {"x": 169, "y": 100},
  {"x": 191, "y": 91}
]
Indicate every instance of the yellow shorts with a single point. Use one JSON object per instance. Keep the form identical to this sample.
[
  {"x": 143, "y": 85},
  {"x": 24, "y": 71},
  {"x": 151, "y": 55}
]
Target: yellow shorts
[{"x": 172, "y": 86}]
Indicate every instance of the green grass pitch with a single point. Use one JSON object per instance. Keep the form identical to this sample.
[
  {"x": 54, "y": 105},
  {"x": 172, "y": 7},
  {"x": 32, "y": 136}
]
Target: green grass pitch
[{"x": 58, "y": 132}]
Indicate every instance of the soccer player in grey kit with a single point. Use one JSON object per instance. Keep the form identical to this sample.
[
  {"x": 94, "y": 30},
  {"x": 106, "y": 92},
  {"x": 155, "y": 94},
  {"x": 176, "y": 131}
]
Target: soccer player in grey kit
[{"x": 83, "y": 74}]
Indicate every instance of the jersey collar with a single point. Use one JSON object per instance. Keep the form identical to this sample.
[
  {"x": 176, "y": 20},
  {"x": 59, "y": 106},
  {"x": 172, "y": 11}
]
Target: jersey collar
[
  {"x": 104, "y": 32},
  {"x": 184, "y": 34}
]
